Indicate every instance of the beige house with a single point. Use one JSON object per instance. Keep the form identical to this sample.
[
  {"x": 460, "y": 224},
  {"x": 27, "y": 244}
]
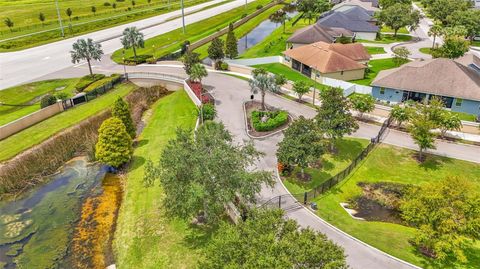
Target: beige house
[{"x": 320, "y": 59}]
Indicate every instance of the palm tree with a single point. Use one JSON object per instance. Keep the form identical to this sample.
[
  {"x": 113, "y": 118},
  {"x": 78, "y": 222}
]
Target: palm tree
[
  {"x": 86, "y": 50},
  {"x": 9, "y": 23},
  {"x": 197, "y": 72},
  {"x": 41, "y": 17},
  {"x": 279, "y": 16},
  {"x": 435, "y": 31},
  {"x": 69, "y": 13},
  {"x": 263, "y": 82},
  {"x": 132, "y": 38}
]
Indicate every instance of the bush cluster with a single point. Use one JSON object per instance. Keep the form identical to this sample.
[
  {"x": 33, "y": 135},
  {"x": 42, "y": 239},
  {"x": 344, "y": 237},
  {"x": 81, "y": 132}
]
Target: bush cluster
[
  {"x": 85, "y": 81},
  {"x": 275, "y": 120},
  {"x": 47, "y": 100},
  {"x": 208, "y": 111},
  {"x": 92, "y": 88},
  {"x": 141, "y": 59}
]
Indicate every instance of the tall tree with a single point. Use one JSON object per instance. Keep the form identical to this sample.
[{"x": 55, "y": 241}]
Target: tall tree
[
  {"x": 121, "y": 110},
  {"x": 279, "y": 16},
  {"x": 401, "y": 114},
  {"x": 435, "y": 30},
  {"x": 41, "y": 17},
  {"x": 446, "y": 215},
  {"x": 449, "y": 122},
  {"x": 267, "y": 239},
  {"x": 263, "y": 82},
  {"x": 9, "y": 23},
  {"x": 421, "y": 131},
  {"x": 94, "y": 10},
  {"x": 201, "y": 173},
  {"x": 363, "y": 103},
  {"x": 300, "y": 87},
  {"x": 400, "y": 55},
  {"x": 69, "y": 13},
  {"x": 231, "y": 48},
  {"x": 441, "y": 9},
  {"x": 334, "y": 118},
  {"x": 114, "y": 146},
  {"x": 215, "y": 51},
  {"x": 189, "y": 59},
  {"x": 302, "y": 144},
  {"x": 132, "y": 38},
  {"x": 469, "y": 19},
  {"x": 453, "y": 47},
  {"x": 86, "y": 50},
  {"x": 198, "y": 72},
  {"x": 398, "y": 16}
]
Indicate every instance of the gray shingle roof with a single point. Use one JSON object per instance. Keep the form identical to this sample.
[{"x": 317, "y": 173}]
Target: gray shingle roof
[
  {"x": 348, "y": 21},
  {"x": 314, "y": 33}
]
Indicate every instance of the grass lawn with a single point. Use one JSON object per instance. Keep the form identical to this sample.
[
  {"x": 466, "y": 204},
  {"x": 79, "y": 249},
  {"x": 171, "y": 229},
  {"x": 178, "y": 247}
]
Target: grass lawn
[
  {"x": 171, "y": 41},
  {"x": 375, "y": 66},
  {"x": 290, "y": 74},
  {"x": 375, "y": 50},
  {"x": 393, "y": 164},
  {"x": 475, "y": 43},
  {"x": 242, "y": 29},
  {"x": 41, "y": 131},
  {"x": 426, "y": 50},
  {"x": 387, "y": 39},
  {"x": 29, "y": 94},
  {"x": 145, "y": 237},
  {"x": 465, "y": 116},
  {"x": 386, "y": 29},
  {"x": 348, "y": 150},
  {"x": 25, "y": 14},
  {"x": 275, "y": 43}
]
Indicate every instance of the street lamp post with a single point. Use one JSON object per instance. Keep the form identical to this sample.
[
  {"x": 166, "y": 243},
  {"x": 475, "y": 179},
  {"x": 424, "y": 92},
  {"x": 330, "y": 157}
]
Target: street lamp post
[
  {"x": 183, "y": 16},
  {"x": 124, "y": 68},
  {"x": 59, "y": 18}
]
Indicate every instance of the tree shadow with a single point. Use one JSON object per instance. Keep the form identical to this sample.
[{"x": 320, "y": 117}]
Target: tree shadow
[
  {"x": 199, "y": 235},
  {"x": 471, "y": 252},
  {"x": 347, "y": 150},
  {"x": 142, "y": 143},
  {"x": 137, "y": 162},
  {"x": 431, "y": 162}
]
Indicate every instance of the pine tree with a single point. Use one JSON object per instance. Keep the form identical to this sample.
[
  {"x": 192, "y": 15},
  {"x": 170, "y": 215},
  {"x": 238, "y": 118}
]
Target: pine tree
[
  {"x": 121, "y": 110},
  {"x": 231, "y": 49},
  {"x": 114, "y": 145},
  {"x": 215, "y": 50}
]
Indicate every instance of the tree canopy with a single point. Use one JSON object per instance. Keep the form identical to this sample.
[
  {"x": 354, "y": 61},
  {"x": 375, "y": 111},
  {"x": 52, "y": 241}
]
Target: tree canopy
[
  {"x": 263, "y": 82},
  {"x": 399, "y": 15},
  {"x": 300, "y": 87},
  {"x": 231, "y": 48},
  {"x": 441, "y": 9},
  {"x": 132, "y": 38},
  {"x": 86, "y": 50},
  {"x": 215, "y": 50},
  {"x": 268, "y": 240},
  {"x": 454, "y": 46},
  {"x": 189, "y": 59},
  {"x": 122, "y": 111},
  {"x": 363, "y": 103},
  {"x": 198, "y": 72},
  {"x": 114, "y": 145}
]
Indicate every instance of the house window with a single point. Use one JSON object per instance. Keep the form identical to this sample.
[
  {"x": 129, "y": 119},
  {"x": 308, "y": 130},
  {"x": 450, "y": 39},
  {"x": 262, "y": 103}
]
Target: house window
[
  {"x": 382, "y": 90},
  {"x": 458, "y": 102}
]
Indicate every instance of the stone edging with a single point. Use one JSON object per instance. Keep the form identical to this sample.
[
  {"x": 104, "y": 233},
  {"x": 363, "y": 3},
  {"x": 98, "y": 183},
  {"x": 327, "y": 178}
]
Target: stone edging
[{"x": 263, "y": 136}]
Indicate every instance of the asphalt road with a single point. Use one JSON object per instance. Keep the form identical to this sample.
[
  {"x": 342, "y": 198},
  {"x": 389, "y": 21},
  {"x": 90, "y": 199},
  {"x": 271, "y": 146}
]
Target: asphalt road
[{"x": 27, "y": 65}]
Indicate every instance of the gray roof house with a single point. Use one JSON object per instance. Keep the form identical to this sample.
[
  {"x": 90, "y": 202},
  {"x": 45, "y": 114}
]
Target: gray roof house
[
  {"x": 370, "y": 6},
  {"x": 315, "y": 33},
  {"x": 355, "y": 19},
  {"x": 457, "y": 82}
]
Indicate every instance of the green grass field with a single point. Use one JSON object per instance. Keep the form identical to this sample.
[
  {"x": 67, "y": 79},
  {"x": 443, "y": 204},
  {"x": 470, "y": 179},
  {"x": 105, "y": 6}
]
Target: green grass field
[
  {"x": 387, "y": 39},
  {"x": 375, "y": 66},
  {"x": 145, "y": 237},
  {"x": 393, "y": 164},
  {"x": 39, "y": 132},
  {"x": 386, "y": 29},
  {"x": 275, "y": 43},
  {"x": 25, "y": 15},
  {"x": 426, "y": 50},
  {"x": 242, "y": 29},
  {"x": 29, "y": 95},
  {"x": 375, "y": 50},
  {"x": 290, "y": 74},
  {"x": 172, "y": 41}
]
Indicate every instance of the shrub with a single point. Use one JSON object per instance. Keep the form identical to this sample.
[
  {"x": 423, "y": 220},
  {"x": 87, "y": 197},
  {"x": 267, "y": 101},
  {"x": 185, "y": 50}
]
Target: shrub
[
  {"x": 140, "y": 59},
  {"x": 62, "y": 96},
  {"x": 93, "y": 87},
  {"x": 275, "y": 120},
  {"x": 121, "y": 110},
  {"x": 151, "y": 60},
  {"x": 209, "y": 112},
  {"x": 107, "y": 4},
  {"x": 259, "y": 7},
  {"x": 87, "y": 80},
  {"x": 47, "y": 100},
  {"x": 114, "y": 146},
  {"x": 244, "y": 15},
  {"x": 223, "y": 66}
]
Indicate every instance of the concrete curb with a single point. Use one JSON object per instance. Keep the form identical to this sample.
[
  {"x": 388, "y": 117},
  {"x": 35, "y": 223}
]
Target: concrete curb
[{"x": 245, "y": 118}]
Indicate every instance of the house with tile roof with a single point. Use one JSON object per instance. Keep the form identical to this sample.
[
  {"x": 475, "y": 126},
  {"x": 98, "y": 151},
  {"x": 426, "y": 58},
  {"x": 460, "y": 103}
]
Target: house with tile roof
[
  {"x": 320, "y": 59},
  {"x": 457, "y": 82}
]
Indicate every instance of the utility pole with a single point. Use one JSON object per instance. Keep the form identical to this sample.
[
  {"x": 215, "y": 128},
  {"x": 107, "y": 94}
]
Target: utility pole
[
  {"x": 59, "y": 18},
  {"x": 245, "y": 4},
  {"x": 183, "y": 16}
]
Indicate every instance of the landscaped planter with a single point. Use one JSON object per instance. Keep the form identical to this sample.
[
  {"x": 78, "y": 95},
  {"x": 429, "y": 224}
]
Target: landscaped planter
[
  {"x": 202, "y": 95},
  {"x": 263, "y": 123}
]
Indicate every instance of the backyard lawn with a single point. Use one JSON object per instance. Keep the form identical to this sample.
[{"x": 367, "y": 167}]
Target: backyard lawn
[
  {"x": 290, "y": 74},
  {"x": 426, "y": 50},
  {"x": 393, "y": 164},
  {"x": 375, "y": 50},
  {"x": 375, "y": 66},
  {"x": 387, "y": 39},
  {"x": 39, "y": 132},
  {"x": 172, "y": 41},
  {"x": 386, "y": 29},
  {"x": 145, "y": 237},
  {"x": 275, "y": 43}
]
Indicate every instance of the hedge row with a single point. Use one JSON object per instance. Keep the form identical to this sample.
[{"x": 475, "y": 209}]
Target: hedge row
[
  {"x": 100, "y": 83},
  {"x": 85, "y": 81},
  {"x": 275, "y": 120},
  {"x": 143, "y": 58}
]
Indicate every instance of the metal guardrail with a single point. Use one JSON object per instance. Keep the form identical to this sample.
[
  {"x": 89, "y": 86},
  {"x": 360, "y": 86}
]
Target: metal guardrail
[{"x": 150, "y": 75}]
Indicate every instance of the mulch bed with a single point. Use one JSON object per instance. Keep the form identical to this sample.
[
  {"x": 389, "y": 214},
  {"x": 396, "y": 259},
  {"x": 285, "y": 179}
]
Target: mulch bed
[{"x": 251, "y": 106}]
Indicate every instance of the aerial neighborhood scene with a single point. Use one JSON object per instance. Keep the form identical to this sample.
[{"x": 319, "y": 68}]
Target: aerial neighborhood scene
[{"x": 240, "y": 134}]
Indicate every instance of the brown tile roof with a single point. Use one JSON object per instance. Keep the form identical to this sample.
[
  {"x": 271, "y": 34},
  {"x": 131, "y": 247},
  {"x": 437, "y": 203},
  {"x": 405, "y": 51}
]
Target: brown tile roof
[
  {"x": 436, "y": 76},
  {"x": 325, "y": 59},
  {"x": 354, "y": 51},
  {"x": 315, "y": 33}
]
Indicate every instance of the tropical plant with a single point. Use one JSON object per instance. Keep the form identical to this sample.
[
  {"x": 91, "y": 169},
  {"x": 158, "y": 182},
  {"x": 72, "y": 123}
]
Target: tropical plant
[
  {"x": 132, "y": 38},
  {"x": 267, "y": 239},
  {"x": 9, "y": 23},
  {"x": 231, "y": 48},
  {"x": 41, "y": 17},
  {"x": 363, "y": 103},
  {"x": 121, "y": 110},
  {"x": 189, "y": 59},
  {"x": 301, "y": 145},
  {"x": 86, "y": 50},
  {"x": 197, "y": 72},
  {"x": 435, "y": 30},
  {"x": 93, "y": 9},
  {"x": 69, "y": 13},
  {"x": 208, "y": 111},
  {"x": 263, "y": 82},
  {"x": 301, "y": 87},
  {"x": 114, "y": 145},
  {"x": 215, "y": 51},
  {"x": 279, "y": 16}
]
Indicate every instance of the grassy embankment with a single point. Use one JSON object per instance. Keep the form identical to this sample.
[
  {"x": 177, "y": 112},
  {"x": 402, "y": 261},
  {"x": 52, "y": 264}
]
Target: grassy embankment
[
  {"x": 25, "y": 15},
  {"x": 29, "y": 95},
  {"x": 172, "y": 41},
  {"x": 145, "y": 237},
  {"x": 39, "y": 132},
  {"x": 392, "y": 164}
]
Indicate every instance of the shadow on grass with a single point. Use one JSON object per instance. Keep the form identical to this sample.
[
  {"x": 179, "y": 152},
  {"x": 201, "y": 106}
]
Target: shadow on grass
[
  {"x": 142, "y": 143},
  {"x": 137, "y": 162},
  {"x": 199, "y": 236},
  {"x": 348, "y": 150},
  {"x": 432, "y": 162}
]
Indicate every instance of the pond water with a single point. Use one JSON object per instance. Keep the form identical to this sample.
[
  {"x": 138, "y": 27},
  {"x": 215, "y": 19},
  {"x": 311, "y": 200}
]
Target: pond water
[{"x": 39, "y": 229}]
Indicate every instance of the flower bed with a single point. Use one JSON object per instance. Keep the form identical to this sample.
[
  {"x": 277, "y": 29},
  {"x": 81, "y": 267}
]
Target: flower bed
[
  {"x": 274, "y": 120},
  {"x": 203, "y": 96}
]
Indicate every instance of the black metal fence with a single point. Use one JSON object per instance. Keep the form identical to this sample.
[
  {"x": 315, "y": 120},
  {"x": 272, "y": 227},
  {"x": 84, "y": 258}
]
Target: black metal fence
[{"x": 306, "y": 197}]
